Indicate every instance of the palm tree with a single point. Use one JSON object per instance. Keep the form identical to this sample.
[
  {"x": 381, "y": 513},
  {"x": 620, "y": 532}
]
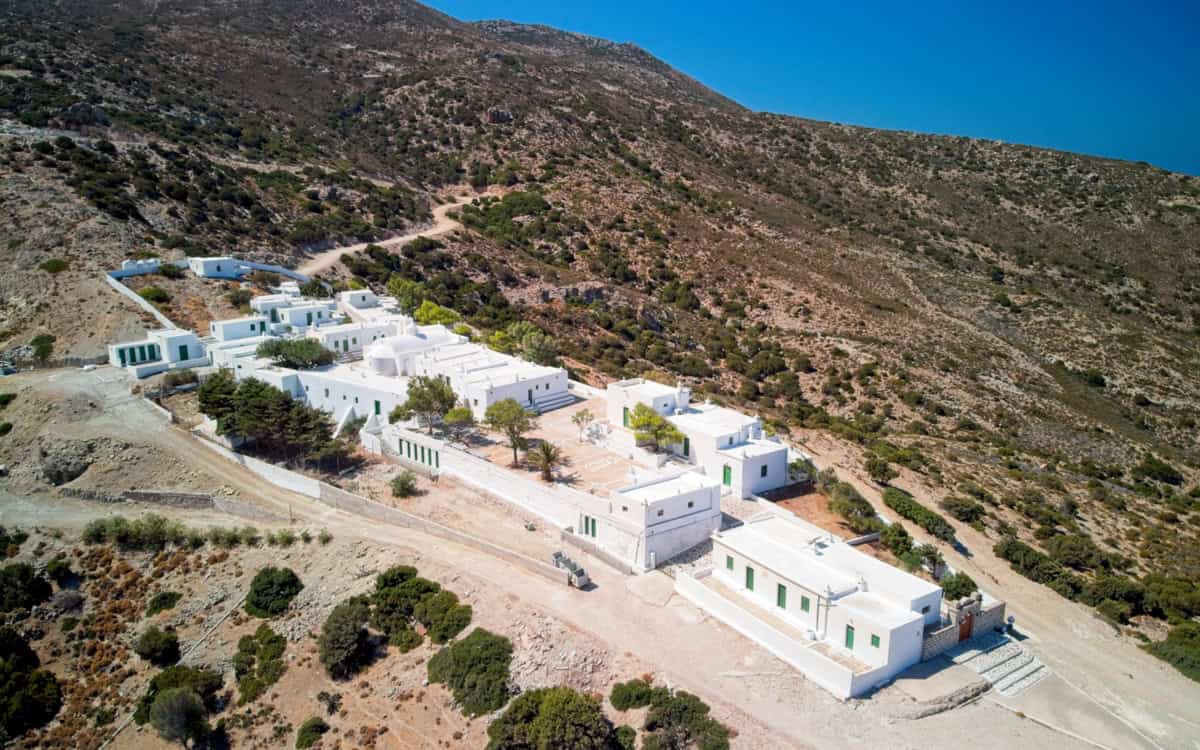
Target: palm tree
[{"x": 546, "y": 457}]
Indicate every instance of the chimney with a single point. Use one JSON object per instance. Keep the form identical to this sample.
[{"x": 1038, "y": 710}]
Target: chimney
[{"x": 683, "y": 396}]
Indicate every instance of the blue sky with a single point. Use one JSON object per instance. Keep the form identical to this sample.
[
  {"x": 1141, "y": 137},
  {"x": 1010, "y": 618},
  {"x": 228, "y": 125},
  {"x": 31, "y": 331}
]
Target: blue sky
[{"x": 1106, "y": 78}]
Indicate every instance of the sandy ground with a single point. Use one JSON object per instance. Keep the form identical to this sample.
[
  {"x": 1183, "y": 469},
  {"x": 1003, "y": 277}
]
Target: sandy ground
[
  {"x": 442, "y": 224},
  {"x": 641, "y": 618}
]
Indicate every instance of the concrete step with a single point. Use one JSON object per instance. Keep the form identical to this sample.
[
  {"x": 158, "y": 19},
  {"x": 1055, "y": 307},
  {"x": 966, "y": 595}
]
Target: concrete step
[
  {"x": 1026, "y": 682},
  {"x": 1013, "y": 664},
  {"x": 998, "y": 655},
  {"x": 1006, "y": 684},
  {"x": 968, "y": 650},
  {"x": 553, "y": 402}
]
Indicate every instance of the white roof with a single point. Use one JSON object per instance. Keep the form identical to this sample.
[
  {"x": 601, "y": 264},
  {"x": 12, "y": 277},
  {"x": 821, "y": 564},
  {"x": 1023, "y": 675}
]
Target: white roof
[
  {"x": 712, "y": 420},
  {"x": 643, "y": 390},
  {"x": 359, "y": 375},
  {"x": 753, "y": 448},
  {"x": 818, "y": 561},
  {"x": 663, "y": 488},
  {"x": 244, "y": 319},
  {"x": 268, "y": 299}
]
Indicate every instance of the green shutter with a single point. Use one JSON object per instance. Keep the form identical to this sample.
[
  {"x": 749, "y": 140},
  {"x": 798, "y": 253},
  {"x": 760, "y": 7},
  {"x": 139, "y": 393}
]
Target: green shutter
[
  {"x": 749, "y": 578},
  {"x": 728, "y": 562},
  {"x": 874, "y": 641},
  {"x": 378, "y": 408},
  {"x": 121, "y": 354},
  {"x": 781, "y": 596},
  {"x": 183, "y": 351},
  {"x": 687, "y": 446},
  {"x": 850, "y": 637},
  {"x": 804, "y": 603},
  {"x": 727, "y": 476},
  {"x": 625, "y": 417},
  {"x": 763, "y": 471}
]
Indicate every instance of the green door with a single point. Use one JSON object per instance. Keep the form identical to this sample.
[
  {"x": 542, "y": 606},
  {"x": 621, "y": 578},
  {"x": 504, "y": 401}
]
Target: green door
[
  {"x": 345, "y": 345},
  {"x": 121, "y": 354},
  {"x": 850, "y": 637},
  {"x": 687, "y": 446},
  {"x": 727, "y": 476},
  {"x": 625, "y": 417},
  {"x": 308, "y": 318},
  {"x": 749, "y": 578},
  {"x": 274, "y": 315},
  {"x": 378, "y": 409},
  {"x": 183, "y": 351},
  {"x": 781, "y": 596}
]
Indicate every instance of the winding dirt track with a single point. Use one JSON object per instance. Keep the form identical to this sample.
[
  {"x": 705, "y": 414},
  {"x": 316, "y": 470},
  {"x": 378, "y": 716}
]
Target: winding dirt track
[{"x": 442, "y": 224}]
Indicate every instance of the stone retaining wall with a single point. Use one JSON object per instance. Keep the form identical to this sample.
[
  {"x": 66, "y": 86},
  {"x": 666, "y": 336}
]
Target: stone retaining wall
[{"x": 170, "y": 499}]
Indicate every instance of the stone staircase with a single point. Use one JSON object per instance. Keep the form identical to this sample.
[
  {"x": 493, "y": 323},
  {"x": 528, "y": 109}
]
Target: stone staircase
[
  {"x": 1008, "y": 667},
  {"x": 556, "y": 401}
]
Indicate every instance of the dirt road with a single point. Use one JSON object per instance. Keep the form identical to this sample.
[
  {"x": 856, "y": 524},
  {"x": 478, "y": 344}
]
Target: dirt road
[{"x": 442, "y": 224}]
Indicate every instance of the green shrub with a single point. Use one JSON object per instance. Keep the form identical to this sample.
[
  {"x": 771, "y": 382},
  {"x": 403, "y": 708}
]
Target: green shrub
[
  {"x": 258, "y": 663},
  {"x": 1181, "y": 649},
  {"x": 896, "y": 538},
  {"x": 343, "y": 642},
  {"x": 296, "y": 354},
  {"x": 404, "y": 485},
  {"x": 963, "y": 509},
  {"x": 626, "y": 737},
  {"x": 324, "y": 537},
  {"x": 632, "y": 694},
  {"x": 394, "y": 576},
  {"x": 681, "y": 720},
  {"x": 904, "y": 504},
  {"x": 405, "y": 639},
  {"x": 5, "y": 428},
  {"x": 957, "y": 585},
  {"x": 149, "y": 533},
  {"x": 310, "y": 731},
  {"x": 846, "y": 501},
  {"x": 395, "y": 605},
  {"x": 271, "y": 591},
  {"x": 21, "y": 587},
  {"x": 157, "y": 646},
  {"x": 476, "y": 669},
  {"x": 43, "y": 346},
  {"x": 11, "y": 541},
  {"x": 32, "y": 696},
  {"x": 6, "y": 399},
  {"x": 203, "y": 682},
  {"x": 179, "y": 715},
  {"x": 556, "y": 717},
  {"x": 442, "y": 615},
  {"x": 154, "y": 294},
  {"x": 54, "y": 265},
  {"x": 59, "y": 570}
]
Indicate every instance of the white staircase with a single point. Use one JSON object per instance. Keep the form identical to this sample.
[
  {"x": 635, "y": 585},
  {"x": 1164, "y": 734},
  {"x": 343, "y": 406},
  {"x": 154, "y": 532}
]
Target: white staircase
[
  {"x": 1001, "y": 661},
  {"x": 555, "y": 401}
]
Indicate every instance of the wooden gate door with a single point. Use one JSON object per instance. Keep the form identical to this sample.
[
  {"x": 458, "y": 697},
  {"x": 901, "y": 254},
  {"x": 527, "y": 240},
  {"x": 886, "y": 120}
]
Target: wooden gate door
[{"x": 964, "y": 627}]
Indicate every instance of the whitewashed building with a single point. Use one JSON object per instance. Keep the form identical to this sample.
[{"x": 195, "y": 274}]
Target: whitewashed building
[
  {"x": 857, "y": 609},
  {"x": 728, "y": 445},
  {"x": 223, "y": 267},
  {"x": 166, "y": 349}
]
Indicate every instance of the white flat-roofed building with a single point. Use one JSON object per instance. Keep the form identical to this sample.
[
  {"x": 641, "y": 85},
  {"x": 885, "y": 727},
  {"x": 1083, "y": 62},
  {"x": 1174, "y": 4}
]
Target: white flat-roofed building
[
  {"x": 677, "y": 512},
  {"x": 229, "y": 353},
  {"x": 483, "y": 377},
  {"x": 238, "y": 328},
  {"x": 730, "y": 446},
  {"x": 851, "y": 602},
  {"x": 223, "y": 267},
  {"x": 351, "y": 337},
  {"x": 166, "y": 349},
  {"x": 306, "y": 313},
  {"x": 357, "y": 299},
  {"x": 270, "y": 305}
]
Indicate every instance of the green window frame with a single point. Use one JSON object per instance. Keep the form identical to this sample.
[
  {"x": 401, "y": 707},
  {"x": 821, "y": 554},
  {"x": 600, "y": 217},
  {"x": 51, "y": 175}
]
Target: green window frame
[
  {"x": 804, "y": 604},
  {"x": 762, "y": 472},
  {"x": 378, "y": 408},
  {"x": 183, "y": 351},
  {"x": 727, "y": 475},
  {"x": 874, "y": 641},
  {"x": 687, "y": 446},
  {"x": 625, "y": 416},
  {"x": 850, "y": 637},
  {"x": 121, "y": 354},
  {"x": 781, "y": 596},
  {"x": 142, "y": 353},
  {"x": 749, "y": 578},
  {"x": 728, "y": 562}
]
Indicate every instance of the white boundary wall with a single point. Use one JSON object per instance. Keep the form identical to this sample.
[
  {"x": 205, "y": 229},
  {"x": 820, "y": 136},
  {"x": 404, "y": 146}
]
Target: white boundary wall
[
  {"x": 837, "y": 679},
  {"x": 137, "y": 300},
  {"x": 289, "y": 480}
]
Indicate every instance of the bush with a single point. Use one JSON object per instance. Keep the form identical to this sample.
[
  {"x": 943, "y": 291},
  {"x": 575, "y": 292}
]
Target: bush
[
  {"x": 626, "y": 737},
  {"x": 54, "y": 265},
  {"x": 157, "y": 646},
  {"x": 681, "y": 720},
  {"x": 963, "y": 509},
  {"x": 179, "y": 377},
  {"x": 404, "y": 485},
  {"x": 394, "y": 576},
  {"x": 896, "y": 538},
  {"x": 632, "y": 694},
  {"x": 11, "y": 541},
  {"x": 6, "y": 399},
  {"x": 405, "y": 639},
  {"x": 59, "y": 570},
  {"x": 556, "y": 717},
  {"x": 849, "y": 504},
  {"x": 21, "y": 587},
  {"x": 957, "y": 585},
  {"x": 32, "y": 696},
  {"x": 442, "y": 615},
  {"x": 43, "y": 346},
  {"x": 1181, "y": 649},
  {"x": 343, "y": 641},
  {"x": 396, "y": 605},
  {"x": 296, "y": 354},
  {"x": 258, "y": 663},
  {"x": 5, "y": 428},
  {"x": 1038, "y": 567},
  {"x": 324, "y": 537},
  {"x": 904, "y": 504},
  {"x": 271, "y": 591},
  {"x": 476, "y": 669},
  {"x": 179, "y": 715},
  {"x": 149, "y": 533},
  {"x": 154, "y": 294},
  {"x": 310, "y": 731},
  {"x": 204, "y": 682}
]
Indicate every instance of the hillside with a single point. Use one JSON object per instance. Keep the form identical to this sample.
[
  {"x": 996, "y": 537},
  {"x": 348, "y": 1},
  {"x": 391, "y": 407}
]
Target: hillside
[{"x": 1002, "y": 322}]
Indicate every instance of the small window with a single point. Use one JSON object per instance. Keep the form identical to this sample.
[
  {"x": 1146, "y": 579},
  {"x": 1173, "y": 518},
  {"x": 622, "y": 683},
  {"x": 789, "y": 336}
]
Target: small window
[
  {"x": 804, "y": 603},
  {"x": 731, "y": 441},
  {"x": 728, "y": 562},
  {"x": 763, "y": 471},
  {"x": 624, "y": 508},
  {"x": 326, "y": 393},
  {"x": 925, "y": 609},
  {"x": 660, "y": 512},
  {"x": 781, "y": 596},
  {"x": 874, "y": 641},
  {"x": 749, "y": 578},
  {"x": 691, "y": 503}
]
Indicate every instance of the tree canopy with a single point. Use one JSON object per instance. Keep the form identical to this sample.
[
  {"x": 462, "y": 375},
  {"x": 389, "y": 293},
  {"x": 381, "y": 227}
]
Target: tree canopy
[
  {"x": 429, "y": 400},
  {"x": 651, "y": 427},
  {"x": 513, "y": 420},
  {"x": 271, "y": 591},
  {"x": 556, "y": 717},
  {"x": 296, "y": 354}
]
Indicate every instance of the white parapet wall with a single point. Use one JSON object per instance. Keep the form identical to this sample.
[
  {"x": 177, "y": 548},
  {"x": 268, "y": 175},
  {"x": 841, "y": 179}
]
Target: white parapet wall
[{"x": 837, "y": 678}]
